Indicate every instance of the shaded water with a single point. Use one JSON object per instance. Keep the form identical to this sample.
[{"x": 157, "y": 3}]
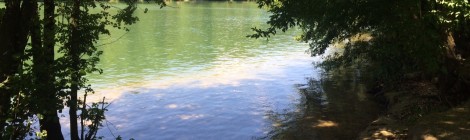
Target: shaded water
[
  {"x": 335, "y": 106},
  {"x": 189, "y": 72}
]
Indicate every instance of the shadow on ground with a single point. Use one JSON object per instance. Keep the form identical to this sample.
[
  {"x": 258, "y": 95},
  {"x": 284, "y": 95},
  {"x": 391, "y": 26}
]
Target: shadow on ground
[{"x": 450, "y": 125}]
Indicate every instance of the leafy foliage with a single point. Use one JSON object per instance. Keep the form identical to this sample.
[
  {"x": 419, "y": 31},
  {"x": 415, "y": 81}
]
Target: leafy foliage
[
  {"x": 2, "y": 11},
  {"x": 71, "y": 32},
  {"x": 403, "y": 36}
]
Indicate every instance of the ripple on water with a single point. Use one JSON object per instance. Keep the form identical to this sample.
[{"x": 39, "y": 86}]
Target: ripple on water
[{"x": 188, "y": 73}]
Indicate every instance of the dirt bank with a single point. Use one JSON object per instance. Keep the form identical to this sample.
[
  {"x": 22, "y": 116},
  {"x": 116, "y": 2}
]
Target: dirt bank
[{"x": 416, "y": 111}]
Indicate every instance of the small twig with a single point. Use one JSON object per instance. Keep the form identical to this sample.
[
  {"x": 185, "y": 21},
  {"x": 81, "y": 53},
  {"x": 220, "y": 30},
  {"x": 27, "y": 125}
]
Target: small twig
[
  {"x": 83, "y": 114},
  {"x": 112, "y": 41},
  {"x": 107, "y": 126}
]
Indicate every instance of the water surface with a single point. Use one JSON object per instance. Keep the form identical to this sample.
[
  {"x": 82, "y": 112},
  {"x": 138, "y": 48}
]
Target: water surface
[{"x": 188, "y": 72}]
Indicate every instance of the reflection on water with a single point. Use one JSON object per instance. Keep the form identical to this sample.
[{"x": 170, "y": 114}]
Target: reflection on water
[
  {"x": 182, "y": 39},
  {"x": 335, "y": 106},
  {"x": 189, "y": 72}
]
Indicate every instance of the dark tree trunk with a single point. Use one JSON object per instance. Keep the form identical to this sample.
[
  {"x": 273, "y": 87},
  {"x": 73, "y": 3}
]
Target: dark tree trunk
[
  {"x": 52, "y": 124},
  {"x": 74, "y": 45},
  {"x": 43, "y": 58},
  {"x": 14, "y": 31},
  {"x": 6, "y": 58}
]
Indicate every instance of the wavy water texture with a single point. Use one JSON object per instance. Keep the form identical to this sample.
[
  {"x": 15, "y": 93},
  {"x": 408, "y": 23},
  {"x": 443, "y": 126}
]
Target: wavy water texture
[{"x": 188, "y": 72}]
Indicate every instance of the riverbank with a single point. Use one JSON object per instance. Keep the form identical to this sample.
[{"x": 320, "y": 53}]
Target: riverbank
[
  {"x": 334, "y": 105},
  {"x": 416, "y": 111}
]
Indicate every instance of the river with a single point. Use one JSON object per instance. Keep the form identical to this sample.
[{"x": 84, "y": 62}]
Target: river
[{"x": 187, "y": 71}]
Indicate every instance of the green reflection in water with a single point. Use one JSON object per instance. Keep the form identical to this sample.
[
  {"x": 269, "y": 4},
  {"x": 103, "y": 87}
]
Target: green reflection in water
[{"x": 179, "y": 40}]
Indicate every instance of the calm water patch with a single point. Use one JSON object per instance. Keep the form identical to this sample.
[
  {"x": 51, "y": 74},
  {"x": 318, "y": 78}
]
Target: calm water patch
[
  {"x": 188, "y": 72},
  {"x": 336, "y": 106}
]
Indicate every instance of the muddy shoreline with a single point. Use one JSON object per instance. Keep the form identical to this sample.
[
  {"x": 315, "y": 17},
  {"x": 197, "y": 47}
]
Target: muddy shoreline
[
  {"x": 344, "y": 105},
  {"x": 416, "y": 111}
]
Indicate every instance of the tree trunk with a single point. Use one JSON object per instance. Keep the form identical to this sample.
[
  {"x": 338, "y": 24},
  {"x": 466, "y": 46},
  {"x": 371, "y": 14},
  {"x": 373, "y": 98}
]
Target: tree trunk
[
  {"x": 6, "y": 57},
  {"x": 14, "y": 31},
  {"x": 74, "y": 41},
  {"x": 43, "y": 61}
]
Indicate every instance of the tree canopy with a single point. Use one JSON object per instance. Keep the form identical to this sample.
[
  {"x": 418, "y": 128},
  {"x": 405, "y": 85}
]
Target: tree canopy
[
  {"x": 398, "y": 37},
  {"x": 44, "y": 62}
]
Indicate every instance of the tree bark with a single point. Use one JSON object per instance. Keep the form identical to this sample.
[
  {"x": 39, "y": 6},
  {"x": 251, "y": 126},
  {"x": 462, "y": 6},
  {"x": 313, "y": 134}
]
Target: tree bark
[
  {"x": 6, "y": 50},
  {"x": 74, "y": 41},
  {"x": 14, "y": 31},
  {"x": 43, "y": 69}
]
